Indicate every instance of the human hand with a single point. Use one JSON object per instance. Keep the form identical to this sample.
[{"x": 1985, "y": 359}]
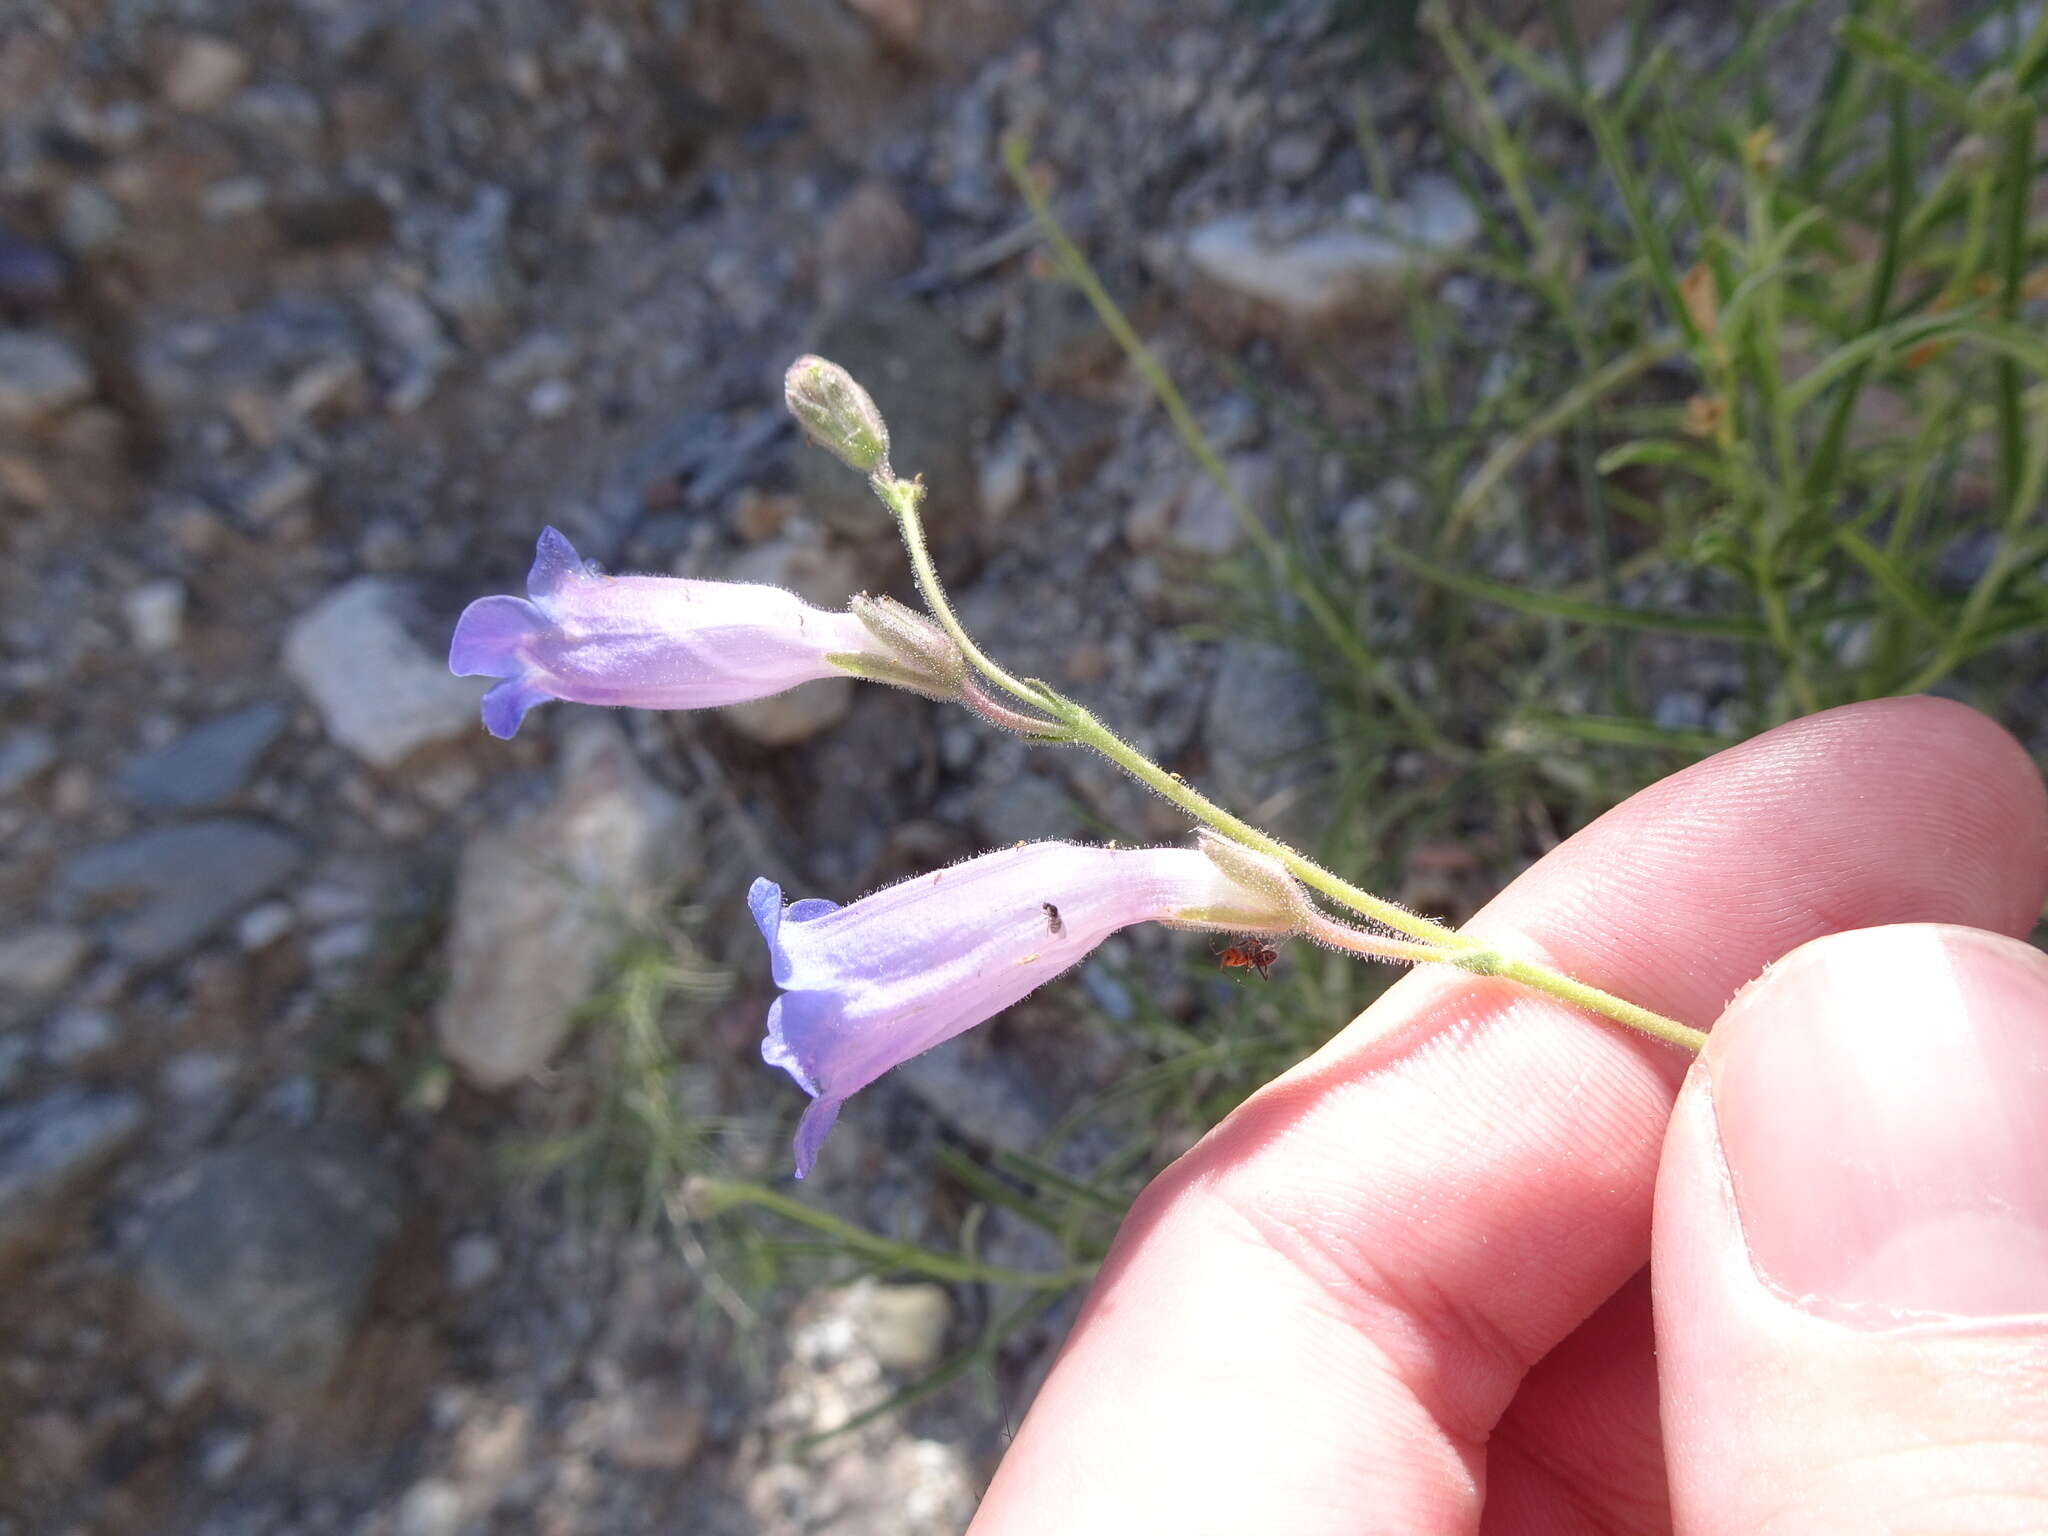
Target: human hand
[{"x": 1404, "y": 1287}]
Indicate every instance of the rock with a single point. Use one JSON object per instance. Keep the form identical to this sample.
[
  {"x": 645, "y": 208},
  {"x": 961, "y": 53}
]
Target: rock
[
  {"x": 40, "y": 377},
  {"x": 39, "y": 960},
  {"x": 905, "y": 1325},
  {"x": 1205, "y": 523},
  {"x": 1362, "y": 521},
  {"x": 275, "y": 489},
  {"x": 473, "y": 1261},
  {"x": 1060, "y": 341},
  {"x": 189, "y": 879},
  {"x": 542, "y": 902},
  {"x": 49, "y": 1148},
  {"x": 264, "y": 924},
  {"x": 1263, "y": 721},
  {"x": 1308, "y": 272},
  {"x": 203, "y": 72},
  {"x": 473, "y": 281},
  {"x": 208, "y": 764},
  {"x": 936, "y": 395},
  {"x": 223, "y": 1455},
  {"x": 431, "y": 1507},
  {"x": 412, "y": 334},
  {"x": 380, "y": 693},
  {"x": 1294, "y": 157},
  {"x": 24, "y": 754},
  {"x": 268, "y": 1256},
  {"x": 155, "y": 612},
  {"x": 870, "y": 239},
  {"x": 79, "y": 1035},
  {"x": 1006, "y": 476},
  {"x": 650, "y": 1430}
]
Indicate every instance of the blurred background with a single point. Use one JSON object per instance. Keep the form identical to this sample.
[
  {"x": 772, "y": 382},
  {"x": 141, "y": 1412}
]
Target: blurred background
[{"x": 1418, "y": 429}]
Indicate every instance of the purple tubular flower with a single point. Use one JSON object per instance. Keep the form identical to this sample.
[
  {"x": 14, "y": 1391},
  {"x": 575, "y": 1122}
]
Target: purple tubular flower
[
  {"x": 655, "y": 642},
  {"x": 871, "y": 985}
]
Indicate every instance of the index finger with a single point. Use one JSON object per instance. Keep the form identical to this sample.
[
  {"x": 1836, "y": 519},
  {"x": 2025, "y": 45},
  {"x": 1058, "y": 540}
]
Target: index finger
[{"x": 1311, "y": 1322}]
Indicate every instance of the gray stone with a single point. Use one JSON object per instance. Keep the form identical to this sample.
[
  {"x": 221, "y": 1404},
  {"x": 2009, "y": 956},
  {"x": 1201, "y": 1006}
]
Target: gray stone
[
  {"x": 1206, "y": 523},
  {"x": 40, "y": 377},
  {"x": 542, "y": 902},
  {"x": 937, "y": 396},
  {"x": 24, "y": 754},
  {"x": 905, "y": 1325},
  {"x": 203, "y": 72},
  {"x": 1262, "y": 724},
  {"x": 868, "y": 240},
  {"x": 268, "y": 1255},
  {"x": 49, "y": 1149},
  {"x": 473, "y": 279},
  {"x": 40, "y": 959},
  {"x": 155, "y": 613},
  {"x": 207, "y": 765},
  {"x": 78, "y": 1035},
  {"x": 1310, "y": 270},
  {"x": 380, "y": 693},
  {"x": 187, "y": 881}
]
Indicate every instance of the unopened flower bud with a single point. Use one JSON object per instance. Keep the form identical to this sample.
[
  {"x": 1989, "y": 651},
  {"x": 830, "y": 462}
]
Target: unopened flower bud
[{"x": 837, "y": 414}]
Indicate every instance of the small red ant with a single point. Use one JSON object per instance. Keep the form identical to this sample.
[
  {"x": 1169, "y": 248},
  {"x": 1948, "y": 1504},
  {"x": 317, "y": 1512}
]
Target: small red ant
[{"x": 1250, "y": 953}]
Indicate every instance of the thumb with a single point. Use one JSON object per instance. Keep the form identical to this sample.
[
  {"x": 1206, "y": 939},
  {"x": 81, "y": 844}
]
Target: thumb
[{"x": 1851, "y": 1253}]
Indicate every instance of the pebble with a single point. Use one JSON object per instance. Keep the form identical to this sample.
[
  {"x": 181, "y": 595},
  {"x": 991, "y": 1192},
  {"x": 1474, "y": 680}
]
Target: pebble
[
  {"x": 1205, "y": 523},
  {"x": 869, "y": 239},
  {"x": 209, "y": 764},
  {"x": 542, "y": 901},
  {"x": 431, "y": 1507},
  {"x": 49, "y": 1149},
  {"x": 186, "y": 881},
  {"x": 905, "y": 1325},
  {"x": 276, "y": 490},
  {"x": 24, "y": 754},
  {"x": 473, "y": 1261},
  {"x": 203, "y": 72},
  {"x": 78, "y": 1035},
  {"x": 41, "y": 376},
  {"x": 223, "y": 1455},
  {"x": 379, "y": 692},
  {"x": 1311, "y": 270},
  {"x": 267, "y": 1255},
  {"x": 155, "y": 614},
  {"x": 264, "y": 924},
  {"x": 38, "y": 960}
]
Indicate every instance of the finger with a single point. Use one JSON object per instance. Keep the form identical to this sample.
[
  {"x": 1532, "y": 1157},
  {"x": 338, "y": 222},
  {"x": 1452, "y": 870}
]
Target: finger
[
  {"x": 1579, "y": 1448},
  {"x": 1331, "y": 1300},
  {"x": 1852, "y": 1245}
]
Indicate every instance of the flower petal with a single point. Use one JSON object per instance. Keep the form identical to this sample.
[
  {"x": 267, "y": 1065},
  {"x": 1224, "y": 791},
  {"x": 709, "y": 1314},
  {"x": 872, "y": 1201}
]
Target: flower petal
[
  {"x": 488, "y": 636},
  {"x": 555, "y": 565},
  {"x": 868, "y": 986}
]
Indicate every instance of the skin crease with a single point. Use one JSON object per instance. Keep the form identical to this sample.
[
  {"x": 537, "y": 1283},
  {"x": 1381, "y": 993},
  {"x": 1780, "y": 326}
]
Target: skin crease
[{"x": 1399, "y": 1289}]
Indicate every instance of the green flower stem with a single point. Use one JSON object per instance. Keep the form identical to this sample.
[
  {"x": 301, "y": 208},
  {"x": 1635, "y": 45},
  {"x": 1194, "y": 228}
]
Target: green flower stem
[{"x": 1078, "y": 726}]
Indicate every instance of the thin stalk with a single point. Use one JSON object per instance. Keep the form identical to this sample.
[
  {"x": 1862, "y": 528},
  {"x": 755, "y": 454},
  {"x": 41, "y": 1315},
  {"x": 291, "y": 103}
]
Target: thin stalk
[{"x": 1437, "y": 942}]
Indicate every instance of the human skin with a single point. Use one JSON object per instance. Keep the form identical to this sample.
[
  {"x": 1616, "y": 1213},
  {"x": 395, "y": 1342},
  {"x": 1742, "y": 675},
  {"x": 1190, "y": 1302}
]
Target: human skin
[{"x": 1405, "y": 1287}]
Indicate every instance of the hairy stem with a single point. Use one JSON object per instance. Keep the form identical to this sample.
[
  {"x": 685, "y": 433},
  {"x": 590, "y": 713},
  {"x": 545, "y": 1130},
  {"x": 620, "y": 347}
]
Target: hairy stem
[{"x": 1077, "y": 725}]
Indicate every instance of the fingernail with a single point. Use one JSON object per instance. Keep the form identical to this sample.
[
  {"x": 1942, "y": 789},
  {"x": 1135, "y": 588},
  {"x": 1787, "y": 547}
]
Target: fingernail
[{"x": 1882, "y": 1099}]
